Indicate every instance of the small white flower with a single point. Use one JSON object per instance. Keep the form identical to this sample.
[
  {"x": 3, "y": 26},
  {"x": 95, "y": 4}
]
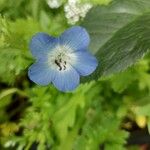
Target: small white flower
[
  {"x": 74, "y": 10},
  {"x": 54, "y": 3},
  {"x": 9, "y": 144}
]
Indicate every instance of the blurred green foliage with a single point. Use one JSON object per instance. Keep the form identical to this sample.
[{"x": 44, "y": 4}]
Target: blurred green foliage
[{"x": 97, "y": 115}]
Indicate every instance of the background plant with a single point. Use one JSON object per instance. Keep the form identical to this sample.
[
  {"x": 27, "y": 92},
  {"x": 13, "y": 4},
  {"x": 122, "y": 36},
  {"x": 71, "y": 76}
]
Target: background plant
[{"x": 106, "y": 104}]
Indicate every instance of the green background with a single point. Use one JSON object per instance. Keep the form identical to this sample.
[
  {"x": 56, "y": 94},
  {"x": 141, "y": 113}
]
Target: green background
[{"x": 106, "y": 108}]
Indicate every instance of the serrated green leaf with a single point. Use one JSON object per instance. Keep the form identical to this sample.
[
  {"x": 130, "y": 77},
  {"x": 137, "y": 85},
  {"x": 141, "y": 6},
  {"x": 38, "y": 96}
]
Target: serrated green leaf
[
  {"x": 68, "y": 113},
  {"x": 119, "y": 34}
]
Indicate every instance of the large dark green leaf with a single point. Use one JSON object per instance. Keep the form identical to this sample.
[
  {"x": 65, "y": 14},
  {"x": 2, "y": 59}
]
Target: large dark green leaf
[{"x": 120, "y": 34}]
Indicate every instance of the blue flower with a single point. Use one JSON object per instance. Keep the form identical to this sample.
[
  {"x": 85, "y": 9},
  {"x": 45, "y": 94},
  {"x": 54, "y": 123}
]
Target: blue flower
[{"x": 61, "y": 60}]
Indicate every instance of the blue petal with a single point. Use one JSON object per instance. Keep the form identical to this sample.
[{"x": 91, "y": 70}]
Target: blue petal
[
  {"x": 85, "y": 63},
  {"x": 66, "y": 80},
  {"x": 41, "y": 73},
  {"x": 76, "y": 37},
  {"x": 41, "y": 43}
]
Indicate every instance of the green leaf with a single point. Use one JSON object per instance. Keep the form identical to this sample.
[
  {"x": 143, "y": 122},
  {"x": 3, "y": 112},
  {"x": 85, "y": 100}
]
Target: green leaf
[
  {"x": 68, "y": 113},
  {"x": 14, "y": 53},
  {"x": 119, "y": 34},
  {"x": 122, "y": 80},
  {"x": 143, "y": 110},
  {"x": 101, "y": 2}
]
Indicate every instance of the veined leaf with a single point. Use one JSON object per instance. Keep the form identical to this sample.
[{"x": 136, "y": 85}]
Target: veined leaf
[{"x": 120, "y": 34}]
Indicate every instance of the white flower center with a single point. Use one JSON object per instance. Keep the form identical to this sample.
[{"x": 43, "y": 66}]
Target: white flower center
[{"x": 61, "y": 57}]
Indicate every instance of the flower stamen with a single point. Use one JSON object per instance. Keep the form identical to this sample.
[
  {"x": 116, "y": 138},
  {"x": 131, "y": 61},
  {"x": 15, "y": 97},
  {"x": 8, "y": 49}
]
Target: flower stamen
[{"x": 60, "y": 62}]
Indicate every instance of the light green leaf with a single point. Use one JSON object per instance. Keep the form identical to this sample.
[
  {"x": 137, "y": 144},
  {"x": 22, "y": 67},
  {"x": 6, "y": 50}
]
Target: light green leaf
[
  {"x": 119, "y": 34},
  {"x": 121, "y": 81},
  {"x": 68, "y": 113},
  {"x": 143, "y": 110},
  {"x": 7, "y": 92}
]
